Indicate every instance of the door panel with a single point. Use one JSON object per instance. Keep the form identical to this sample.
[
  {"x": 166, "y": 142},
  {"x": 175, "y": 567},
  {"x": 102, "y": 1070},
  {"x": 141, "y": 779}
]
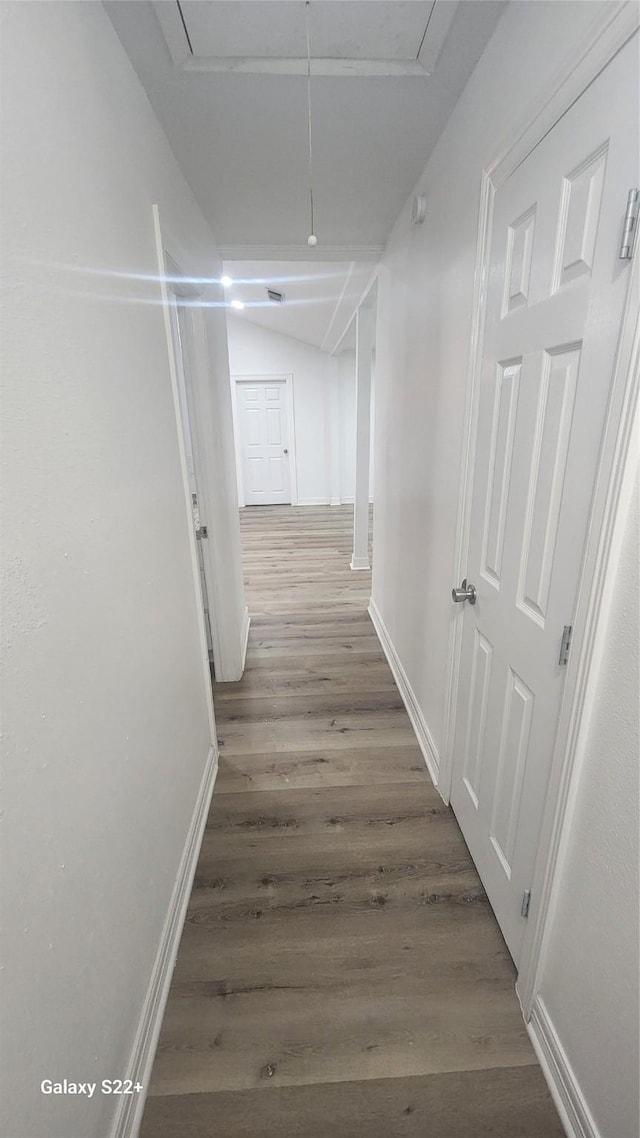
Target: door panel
[
  {"x": 515, "y": 734},
  {"x": 262, "y": 430},
  {"x": 475, "y": 750},
  {"x": 555, "y": 297},
  {"x": 579, "y": 214},
  {"x": 501, "y": 454},
  {"x": 554, "y": 412}
]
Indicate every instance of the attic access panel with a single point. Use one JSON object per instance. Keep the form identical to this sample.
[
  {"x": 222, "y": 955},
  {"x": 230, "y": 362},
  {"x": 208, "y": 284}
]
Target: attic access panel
[
  {"x": 350, "y": 38},
  {"x": 351, "y": 29}
]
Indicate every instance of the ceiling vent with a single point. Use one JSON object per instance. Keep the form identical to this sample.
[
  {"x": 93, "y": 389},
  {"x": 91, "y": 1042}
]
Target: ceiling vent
[{"x": 275, "y": 297}]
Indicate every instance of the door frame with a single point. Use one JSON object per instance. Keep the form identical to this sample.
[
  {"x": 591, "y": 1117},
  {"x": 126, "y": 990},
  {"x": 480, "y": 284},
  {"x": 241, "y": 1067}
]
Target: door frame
[
  {"x": 287, "y": 379},
  {"x": 608, "y": 34}
]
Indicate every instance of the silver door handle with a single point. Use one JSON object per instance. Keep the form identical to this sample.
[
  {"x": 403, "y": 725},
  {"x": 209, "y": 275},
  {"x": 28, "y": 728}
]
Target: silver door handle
[
  {"x": 285, "y": 451},
  {"x": 464, "y": 593}
]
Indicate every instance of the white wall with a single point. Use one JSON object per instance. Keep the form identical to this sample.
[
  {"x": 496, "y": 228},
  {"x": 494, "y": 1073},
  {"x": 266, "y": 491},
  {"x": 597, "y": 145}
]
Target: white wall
[
  {"x": 425, "y": 310},
  {"x": 591, "y": 970},
  {"x": 347, "y": 398},
  {"x": 106, "y": 731},
  {"x": 347, "y": 380},
  {"x": 259, "y": 351}
]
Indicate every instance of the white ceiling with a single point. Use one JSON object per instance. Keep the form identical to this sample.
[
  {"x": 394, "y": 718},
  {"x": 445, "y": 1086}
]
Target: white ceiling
[
  {"x": 237, "y": 119},
  {"x": 320, "y": 297}
]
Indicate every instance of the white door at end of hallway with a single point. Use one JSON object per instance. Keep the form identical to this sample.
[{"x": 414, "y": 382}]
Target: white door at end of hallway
[
  {"x": 263, "y": 441},
  {"x": 556, "y": 296}
]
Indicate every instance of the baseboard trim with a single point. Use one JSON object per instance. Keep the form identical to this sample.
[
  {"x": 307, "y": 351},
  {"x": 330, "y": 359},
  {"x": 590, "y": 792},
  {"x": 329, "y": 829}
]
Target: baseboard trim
[
  {"x": 357, "y": 563},
  {"x": 130, "y": 1107},
  {"x": 246, "y": 625},
  {"x": 418, "y": 721},
  {"x": 314, "y": 501},
  {"x": 565, "y": 1089}
]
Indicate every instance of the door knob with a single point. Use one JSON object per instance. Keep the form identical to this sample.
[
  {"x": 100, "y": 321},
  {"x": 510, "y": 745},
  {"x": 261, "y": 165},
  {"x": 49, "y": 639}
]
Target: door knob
[
  {"x": 464, "y": 593},
  {"x": 285, "y": 451}
]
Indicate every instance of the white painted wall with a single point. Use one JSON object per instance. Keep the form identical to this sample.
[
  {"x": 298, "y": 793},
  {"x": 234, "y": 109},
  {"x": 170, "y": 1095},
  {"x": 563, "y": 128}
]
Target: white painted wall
[
  {"x": 425, "y": 310},
  {"x": 347, "y": 377},
  {"x": 591, "y": 971},
  {"x": 260, "y": 351},
  {"x": 347, "y": 389},
  {"x": 106, "y": 731}
]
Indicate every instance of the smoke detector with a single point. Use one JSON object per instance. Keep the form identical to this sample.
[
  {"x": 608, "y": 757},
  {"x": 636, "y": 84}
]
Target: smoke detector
[{"x": 276, "y": 297}]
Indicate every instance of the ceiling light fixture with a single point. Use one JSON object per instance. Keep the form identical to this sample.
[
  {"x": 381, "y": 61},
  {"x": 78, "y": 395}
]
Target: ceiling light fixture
[
  {"x": 226, "y": 281},
  {"x": 311, "y": 239},
  {"x": 237, "y": 304}
]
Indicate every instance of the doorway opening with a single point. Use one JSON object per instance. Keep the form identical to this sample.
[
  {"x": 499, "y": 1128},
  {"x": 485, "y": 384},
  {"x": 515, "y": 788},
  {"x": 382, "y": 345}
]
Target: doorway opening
[{"x": 302, "y": 410}]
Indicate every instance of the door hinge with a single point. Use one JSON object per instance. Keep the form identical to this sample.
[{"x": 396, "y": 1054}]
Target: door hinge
[
  {"x": 565, "y": 645},
  {"x": 526, "y": 901},
  {"x": 630, "y": 226},
  {"x": 202, "y": 532}
]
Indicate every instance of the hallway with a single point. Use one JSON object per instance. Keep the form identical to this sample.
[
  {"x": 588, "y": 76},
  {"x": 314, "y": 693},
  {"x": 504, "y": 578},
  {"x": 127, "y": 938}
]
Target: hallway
[{"x": 340, "y": 970}]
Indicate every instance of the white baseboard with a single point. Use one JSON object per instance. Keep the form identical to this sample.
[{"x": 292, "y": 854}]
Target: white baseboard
[
  {"x": 314, "y": 502},
  {"x": 246, "y": 625},
  {"x": 565, "y": 1089},
  {"x": 418, "y": 721},
  {"x": 359, "y": 563},
  {"x": 130, "y": 1107}
]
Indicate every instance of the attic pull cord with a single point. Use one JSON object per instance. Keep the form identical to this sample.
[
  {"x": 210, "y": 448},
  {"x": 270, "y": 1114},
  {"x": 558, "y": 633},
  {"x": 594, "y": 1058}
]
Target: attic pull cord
[{"x": 311, "y": 239}]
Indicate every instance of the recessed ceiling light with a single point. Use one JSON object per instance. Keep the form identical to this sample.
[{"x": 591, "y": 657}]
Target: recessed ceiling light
[
  {"x": 237, "y": 304},
  {"x": 226, "y": 281}
]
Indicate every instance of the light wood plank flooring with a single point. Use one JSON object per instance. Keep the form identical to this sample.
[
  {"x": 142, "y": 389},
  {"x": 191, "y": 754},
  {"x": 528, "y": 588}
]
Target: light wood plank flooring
[{"x": 341, "y": 971}]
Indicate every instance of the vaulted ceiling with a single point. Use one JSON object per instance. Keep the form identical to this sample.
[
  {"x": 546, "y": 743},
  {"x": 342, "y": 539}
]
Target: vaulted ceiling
[
  {"x": 227, "y": 79},
  {"x": 319, "y": 297}
]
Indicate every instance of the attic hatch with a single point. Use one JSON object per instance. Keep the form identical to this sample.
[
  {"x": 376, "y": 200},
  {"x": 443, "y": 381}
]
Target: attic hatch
[{"x": 276, "y": 297}]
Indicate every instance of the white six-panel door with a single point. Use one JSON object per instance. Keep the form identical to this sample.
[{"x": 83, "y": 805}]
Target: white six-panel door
[
  {"x": 262, "y": 421},
  {"x": 555, "y": 298}
]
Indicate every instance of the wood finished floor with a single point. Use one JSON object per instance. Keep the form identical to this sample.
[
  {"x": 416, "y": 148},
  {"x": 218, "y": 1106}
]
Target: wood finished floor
[{"x": 340, "y": 971}]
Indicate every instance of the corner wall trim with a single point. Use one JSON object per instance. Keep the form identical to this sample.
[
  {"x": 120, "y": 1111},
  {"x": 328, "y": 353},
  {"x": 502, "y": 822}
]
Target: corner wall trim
[
  {"x": 246, "y": 625},
  {"x": 130, "y": 1108},
  {"x": 418, "y": 721},
  {"x": 565, "y": 1089}
]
